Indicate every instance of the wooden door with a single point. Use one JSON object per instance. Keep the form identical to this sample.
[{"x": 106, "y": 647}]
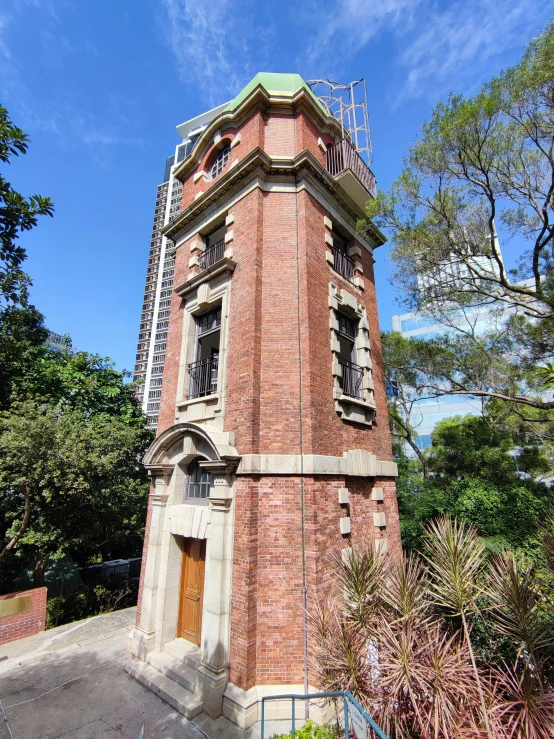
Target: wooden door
[{"x": 192, "y": 590}]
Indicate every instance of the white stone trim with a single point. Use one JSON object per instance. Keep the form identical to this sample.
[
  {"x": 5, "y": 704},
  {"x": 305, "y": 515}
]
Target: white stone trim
[
  {"x": 321, "y": 144},
  {"x": 344, "y": 524},
  {"x": 353, "y": 463},
  {"x": 380, "y": 520},
  {"x": 236, "y": 141},
  {"x": 357, "y": 410},
  {"x": 377, "y": 494},
  {"x": 344, "y": 496},
  {"x": 210, "y": 408}
]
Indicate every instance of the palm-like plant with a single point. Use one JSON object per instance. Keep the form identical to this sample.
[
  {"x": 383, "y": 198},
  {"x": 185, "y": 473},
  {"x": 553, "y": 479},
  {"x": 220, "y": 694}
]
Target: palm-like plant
[{"x": 456, "y": 559}]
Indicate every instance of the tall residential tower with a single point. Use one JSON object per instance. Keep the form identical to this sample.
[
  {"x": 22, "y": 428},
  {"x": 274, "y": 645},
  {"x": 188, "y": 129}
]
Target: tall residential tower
[{"x": 154, "y": 319}]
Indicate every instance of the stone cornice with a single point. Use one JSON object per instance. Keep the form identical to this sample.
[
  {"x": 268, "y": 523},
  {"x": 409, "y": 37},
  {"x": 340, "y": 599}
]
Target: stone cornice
[
  {"x": 259, "y": 99},
  {"x": 258, "y": 164}
]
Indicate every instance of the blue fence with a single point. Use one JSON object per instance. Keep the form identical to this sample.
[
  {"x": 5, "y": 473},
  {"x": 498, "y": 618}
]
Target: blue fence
[{"x": 355, "y": 717}]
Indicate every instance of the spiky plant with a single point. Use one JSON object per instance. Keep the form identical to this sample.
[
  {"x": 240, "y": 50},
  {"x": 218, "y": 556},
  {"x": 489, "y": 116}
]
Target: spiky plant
[
  {"x": 456, "y": 559},
  {"x": 525, "y": 709},
  {"x": 376, "y": 638},
  {"x": 517, "y": 614}
]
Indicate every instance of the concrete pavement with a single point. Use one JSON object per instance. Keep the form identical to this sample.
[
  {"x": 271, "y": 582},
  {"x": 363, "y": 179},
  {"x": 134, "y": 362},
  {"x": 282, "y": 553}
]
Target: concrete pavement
[{"x": 69, "y": 683}]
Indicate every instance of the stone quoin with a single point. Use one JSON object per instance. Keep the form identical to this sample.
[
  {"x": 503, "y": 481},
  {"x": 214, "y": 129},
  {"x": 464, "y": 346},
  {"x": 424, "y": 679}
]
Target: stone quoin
[{"x": 273, "y": 444}]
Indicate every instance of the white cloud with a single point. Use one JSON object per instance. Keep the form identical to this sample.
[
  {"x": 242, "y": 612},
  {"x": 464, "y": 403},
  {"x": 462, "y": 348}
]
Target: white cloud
[
  {"x": 217, "y": 45},
  {"x": 461, "y": 45}
]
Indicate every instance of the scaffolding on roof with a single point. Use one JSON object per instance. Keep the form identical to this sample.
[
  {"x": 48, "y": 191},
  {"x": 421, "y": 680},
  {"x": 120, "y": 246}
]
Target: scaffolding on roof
[{"x": 348, "y": 104}]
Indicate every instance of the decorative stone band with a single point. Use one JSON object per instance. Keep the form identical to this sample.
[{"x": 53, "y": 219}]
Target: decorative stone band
[{"x": 353, "y": 463}]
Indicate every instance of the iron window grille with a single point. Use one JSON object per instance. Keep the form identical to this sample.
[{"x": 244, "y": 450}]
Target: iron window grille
[
  {"x": 219, "y": 165},
  {"x": 197, "y": 484},
  {"x": 351, "y": 381},
  {"x": 212, "y": 255},
  {"x": 203, "y": 377},
  {"x": 204, "y": 371}
]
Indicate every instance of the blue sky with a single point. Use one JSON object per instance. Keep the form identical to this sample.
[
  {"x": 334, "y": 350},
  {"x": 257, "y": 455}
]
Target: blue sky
[{"x": 100, "y": 86}]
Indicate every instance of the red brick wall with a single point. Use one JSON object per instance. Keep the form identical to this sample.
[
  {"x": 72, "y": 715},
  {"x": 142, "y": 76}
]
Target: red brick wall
[
  {"x": 266, "y": 616},
  {"x": 262, "y": 407},
  {"x": 27, "y": 623}
]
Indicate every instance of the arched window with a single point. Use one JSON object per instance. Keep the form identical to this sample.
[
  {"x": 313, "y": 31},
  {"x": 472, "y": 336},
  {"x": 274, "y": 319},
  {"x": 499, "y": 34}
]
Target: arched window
[
  {"x": 219, "y": 165},
  {"x": 198, "y": 481}
]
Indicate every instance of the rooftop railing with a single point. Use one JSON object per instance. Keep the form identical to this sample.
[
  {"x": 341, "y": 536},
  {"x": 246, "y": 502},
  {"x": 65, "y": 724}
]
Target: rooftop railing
[{"x": 343, "y": 156}]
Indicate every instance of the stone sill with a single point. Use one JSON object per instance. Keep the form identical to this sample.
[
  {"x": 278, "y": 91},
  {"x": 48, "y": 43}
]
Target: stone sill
[
  {"x": 356, "y": 401},
  {"x": 193, "y": 401}
]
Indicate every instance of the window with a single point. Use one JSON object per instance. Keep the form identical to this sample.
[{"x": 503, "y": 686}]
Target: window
[
  {"x": 204, "y": 370},
  {"x": 342, "y": 263},
  {"x": 214, "y": 248},
  {"x": 220, "y": 162},
  {"x": 351, "y": 379},
  {"x": 197, "y": 483}
]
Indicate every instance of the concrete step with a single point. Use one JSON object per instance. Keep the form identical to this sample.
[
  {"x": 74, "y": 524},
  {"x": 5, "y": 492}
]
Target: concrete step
[
  {"x": 179, "y": 698},
  {"x": 183, "y": 651},
  {"x": 179, "y": 671}
]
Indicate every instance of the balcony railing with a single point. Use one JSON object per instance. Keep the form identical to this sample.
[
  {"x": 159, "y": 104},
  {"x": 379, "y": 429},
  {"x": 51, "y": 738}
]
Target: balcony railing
[
  {"x": 212, "y": 255},
  {"x": 343, "y": 156},
  {"x": 343, "y": 264},
  {"x": 203, "y": 377},
  {"x": 351, "y": 381}
]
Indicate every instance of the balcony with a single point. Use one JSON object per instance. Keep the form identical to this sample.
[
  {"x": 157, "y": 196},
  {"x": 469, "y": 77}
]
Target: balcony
[
  {"x": 343, "y": 264},
  {"x": 351, "y": 381},
  {"x": 212, "y": 255},
  {"x": 203, "y": 377},
  {"x": 349, "y": 169}
]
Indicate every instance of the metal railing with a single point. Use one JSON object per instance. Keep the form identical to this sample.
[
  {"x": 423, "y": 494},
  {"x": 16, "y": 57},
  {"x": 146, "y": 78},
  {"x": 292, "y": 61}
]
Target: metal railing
[
  {"x": 343, "y": 264},
  {"x": 351, "y": 381},
  {"x": 343, "y": 156},
  {"x": 212, "y": 255},
  {"x": 356, "y": 721},
  {"x": 203, "y": 377}
]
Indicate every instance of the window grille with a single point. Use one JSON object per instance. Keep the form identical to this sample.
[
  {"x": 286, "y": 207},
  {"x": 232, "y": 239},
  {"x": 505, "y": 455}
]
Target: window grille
[
  {"x": 153, "y": 406},
  {"x": 220, "y": 162},
  {"x": 159, "y": 347},
  {"x": 156, "y": 381},
  {"x": 159, "y": 369},
  {"x": 153, "y": 394}
]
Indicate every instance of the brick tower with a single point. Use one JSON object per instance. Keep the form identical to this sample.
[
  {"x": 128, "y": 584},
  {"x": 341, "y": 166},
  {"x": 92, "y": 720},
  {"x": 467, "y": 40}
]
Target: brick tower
[{"x": 273, "y": 444}]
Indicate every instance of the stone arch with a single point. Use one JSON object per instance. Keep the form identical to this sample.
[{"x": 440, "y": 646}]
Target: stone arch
[{"x": 188, "y": 440}]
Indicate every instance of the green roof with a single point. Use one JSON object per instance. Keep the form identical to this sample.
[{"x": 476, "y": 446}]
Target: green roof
[{"x": 273, "y": 82}]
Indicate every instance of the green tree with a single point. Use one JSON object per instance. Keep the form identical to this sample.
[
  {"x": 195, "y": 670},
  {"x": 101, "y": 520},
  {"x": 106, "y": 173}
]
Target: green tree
[
  {"x": 482, "y": 169},
  {"x": 478, "y": 474},
  {"x": 71, "y": 481},
  {"x": 22, "y": 344},
  {"x": 17, "y": 214}
]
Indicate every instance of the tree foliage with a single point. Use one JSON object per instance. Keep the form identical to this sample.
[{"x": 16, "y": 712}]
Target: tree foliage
[
  {"x": 17, "y": 214},
  {"x": 482, "y": 170},
  {"x": 84, "y": 479}
]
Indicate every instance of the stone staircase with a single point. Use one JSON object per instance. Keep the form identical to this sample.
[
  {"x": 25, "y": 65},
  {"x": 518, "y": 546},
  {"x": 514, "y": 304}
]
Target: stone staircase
[{"x": 172, "y": 675}]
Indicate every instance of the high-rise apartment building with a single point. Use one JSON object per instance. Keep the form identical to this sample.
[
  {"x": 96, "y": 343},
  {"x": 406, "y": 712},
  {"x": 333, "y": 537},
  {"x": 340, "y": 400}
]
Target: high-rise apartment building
[
  {"x": 273, "y": 446},
  {"x": 154, "y": 319}
]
